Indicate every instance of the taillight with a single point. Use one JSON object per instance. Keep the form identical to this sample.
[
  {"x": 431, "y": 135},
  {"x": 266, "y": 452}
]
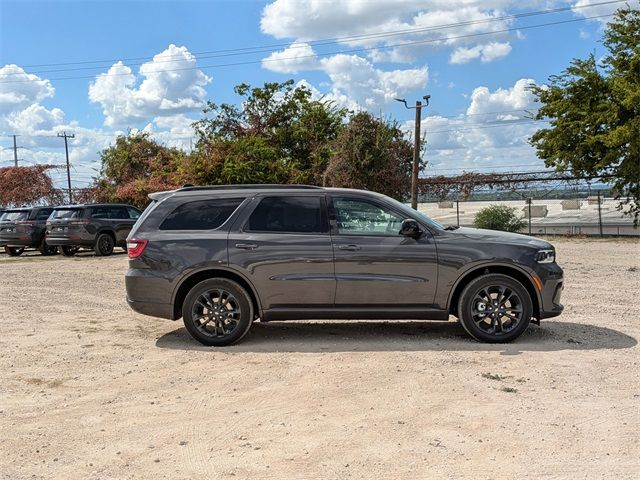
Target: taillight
[{"x": 136, "y": 247}]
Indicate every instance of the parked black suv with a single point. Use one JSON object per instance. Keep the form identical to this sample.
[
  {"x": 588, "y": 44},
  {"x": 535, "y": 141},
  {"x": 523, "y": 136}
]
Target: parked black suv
[
  {"x": 97, "y": 226},
  {"x": 222, "y": 256},
  {"x": 22, "y": 228}
]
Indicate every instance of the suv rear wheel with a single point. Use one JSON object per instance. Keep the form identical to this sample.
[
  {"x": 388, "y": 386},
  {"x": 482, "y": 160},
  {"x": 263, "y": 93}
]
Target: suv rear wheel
[
  {"x": 14, "y": 251},
  {"x": 217, "y": 312},
  {"x": 45, "y": 249},
  {"x": 495, "y": 308},
  {"x": 69, "y": 251},
  {"x": 104, "y": 245}
]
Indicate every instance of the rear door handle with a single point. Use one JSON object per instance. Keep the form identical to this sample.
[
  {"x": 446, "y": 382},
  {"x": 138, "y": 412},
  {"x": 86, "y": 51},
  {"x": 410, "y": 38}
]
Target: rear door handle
[
  {"x": 349, "y": 247},
  {"x": 246, "y": 246}
]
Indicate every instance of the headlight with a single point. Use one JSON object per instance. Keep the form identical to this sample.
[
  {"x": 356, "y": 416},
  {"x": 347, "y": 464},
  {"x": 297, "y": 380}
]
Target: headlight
[{"x": 546, "y": 256}]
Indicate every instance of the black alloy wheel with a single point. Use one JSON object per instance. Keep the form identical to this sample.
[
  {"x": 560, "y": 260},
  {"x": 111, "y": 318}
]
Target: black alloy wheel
[
  {"x": 217, "y": 312},
  {"x": 104, "y": 245},
  {"x": 46, "y": 249},
  {"x": 14, "y": 251},
  {"x": 495, "y": 308},
  {"x": 69, "y": 251}
]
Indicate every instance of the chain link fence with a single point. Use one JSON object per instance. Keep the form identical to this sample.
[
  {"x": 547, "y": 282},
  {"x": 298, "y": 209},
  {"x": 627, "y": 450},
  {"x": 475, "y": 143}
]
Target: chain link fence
[{"x": 575, "y": 211}]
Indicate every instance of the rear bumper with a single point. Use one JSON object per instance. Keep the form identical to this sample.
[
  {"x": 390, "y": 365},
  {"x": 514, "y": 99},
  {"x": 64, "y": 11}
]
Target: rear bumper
[
  {"x": 148, "y": 293},
  {"x": 161, "y": 310},
  {"x": 20, "y": 240},
  {"x": 69, "y": 242}
]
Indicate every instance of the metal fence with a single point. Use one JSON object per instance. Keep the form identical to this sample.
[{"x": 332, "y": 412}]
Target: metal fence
[{"x": 565, "y": 212}]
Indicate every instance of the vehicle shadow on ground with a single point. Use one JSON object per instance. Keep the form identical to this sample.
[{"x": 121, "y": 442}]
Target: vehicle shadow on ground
[{"x": 404, "y": 336}]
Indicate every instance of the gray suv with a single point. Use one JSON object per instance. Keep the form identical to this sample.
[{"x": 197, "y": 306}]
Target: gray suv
[
  {"x": 99, "y": 226},
  {"x": 221, "y": 257}
]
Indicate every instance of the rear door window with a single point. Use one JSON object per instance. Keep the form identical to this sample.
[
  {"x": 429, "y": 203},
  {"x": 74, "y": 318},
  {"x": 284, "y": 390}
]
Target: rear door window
[
  {"x": 66, "y": 213},
  {"x": 201, "y": 215},
  {"x": 290, "y": 214},
  {"x": 118, "y": 213},
  {"x": 100, "y": 212}
]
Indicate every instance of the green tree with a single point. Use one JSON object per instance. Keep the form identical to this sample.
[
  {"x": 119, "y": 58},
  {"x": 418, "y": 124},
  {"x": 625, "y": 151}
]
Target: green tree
[
  {"x": 594, "y": 112},
  {"x": 499, "y": 217},
  {"x": 136, "y": 166},
  {"x": 295, "y": 131},
  {"x": 371, "y": 153}
]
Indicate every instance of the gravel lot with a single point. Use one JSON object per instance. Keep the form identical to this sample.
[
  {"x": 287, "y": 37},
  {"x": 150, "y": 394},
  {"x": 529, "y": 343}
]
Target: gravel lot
[{"x": 89, "y": 389}]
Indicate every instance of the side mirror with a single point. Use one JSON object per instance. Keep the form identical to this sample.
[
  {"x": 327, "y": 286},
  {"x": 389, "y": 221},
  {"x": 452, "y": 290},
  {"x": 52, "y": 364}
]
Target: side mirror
[{"x": 410, "y": 228}]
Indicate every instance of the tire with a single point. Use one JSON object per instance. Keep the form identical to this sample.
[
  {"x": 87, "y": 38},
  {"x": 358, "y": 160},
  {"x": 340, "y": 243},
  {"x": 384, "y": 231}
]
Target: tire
[
  {"x": 69, "y": 251},
  {"x": 104, "y": 245},
  {"x": 14, "y": 251},
  {"x": 511, "y": 315},
  {"x": 236, "y": 313},
  {"x": 47, "y": 250}
]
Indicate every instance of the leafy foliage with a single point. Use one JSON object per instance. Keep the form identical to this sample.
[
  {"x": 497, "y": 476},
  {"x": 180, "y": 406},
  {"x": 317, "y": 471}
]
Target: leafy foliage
[
  {"x": 278, "y": 134},
  {"x": 594, "y": 112},
  {"x": 499, "y": 217},
  {"x": 27, "y": 186},
  {"x": 278, "y": 120},
  {"x": 136, "y": 166},
  {"x": 371, "y": 153}
]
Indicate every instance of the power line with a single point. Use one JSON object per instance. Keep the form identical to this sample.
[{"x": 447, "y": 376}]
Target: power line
[
  {"x": 343, "y": 39},
  {"x": 318, "y": 55}
]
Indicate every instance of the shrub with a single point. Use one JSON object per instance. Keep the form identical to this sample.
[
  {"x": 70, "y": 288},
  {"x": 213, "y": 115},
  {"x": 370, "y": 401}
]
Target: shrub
[{"x": 499, "y": 217}]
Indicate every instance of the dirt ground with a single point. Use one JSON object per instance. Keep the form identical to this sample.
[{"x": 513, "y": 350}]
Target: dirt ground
[{"x": 90, "y": 389}]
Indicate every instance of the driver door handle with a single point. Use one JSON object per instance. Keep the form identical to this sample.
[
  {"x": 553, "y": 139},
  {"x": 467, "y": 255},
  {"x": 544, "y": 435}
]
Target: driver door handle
[
  {"x": 246, "y": 246},
  {"x": 349, "y": 247}
]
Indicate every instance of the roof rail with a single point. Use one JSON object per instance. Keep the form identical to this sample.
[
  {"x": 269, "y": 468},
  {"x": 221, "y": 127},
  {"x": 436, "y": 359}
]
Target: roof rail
[{"x": 261, "y": 186}]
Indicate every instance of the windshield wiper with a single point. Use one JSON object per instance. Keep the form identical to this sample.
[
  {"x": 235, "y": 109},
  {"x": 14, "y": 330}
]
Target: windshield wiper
[{"x": 452, "y": 227}]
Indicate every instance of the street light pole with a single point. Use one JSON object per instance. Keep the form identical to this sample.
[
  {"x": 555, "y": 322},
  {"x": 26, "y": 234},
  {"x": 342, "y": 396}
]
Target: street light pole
[{"x": 416, "y": 148}]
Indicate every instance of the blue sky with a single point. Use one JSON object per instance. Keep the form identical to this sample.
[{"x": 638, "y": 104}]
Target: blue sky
[{"x": 474, "y": 74}]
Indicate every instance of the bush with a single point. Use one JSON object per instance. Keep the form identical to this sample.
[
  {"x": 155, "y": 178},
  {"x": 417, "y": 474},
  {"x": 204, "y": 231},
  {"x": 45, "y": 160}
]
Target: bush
[{"x": 499, "y": 217}]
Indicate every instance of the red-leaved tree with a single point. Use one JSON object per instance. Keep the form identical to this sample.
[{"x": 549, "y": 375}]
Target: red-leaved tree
[{"x": 27, "y": 186}]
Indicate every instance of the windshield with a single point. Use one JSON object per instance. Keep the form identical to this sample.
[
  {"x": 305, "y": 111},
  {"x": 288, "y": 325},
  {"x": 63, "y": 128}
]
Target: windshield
[
  {"x": 65, "y": 213},
  {"x": 418, "y": 215},
  {"x": 14, "y": 216}
]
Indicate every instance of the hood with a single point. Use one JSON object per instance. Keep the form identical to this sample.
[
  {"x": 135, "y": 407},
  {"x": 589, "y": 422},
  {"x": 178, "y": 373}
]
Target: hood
[{"x": 497, "y": 236}]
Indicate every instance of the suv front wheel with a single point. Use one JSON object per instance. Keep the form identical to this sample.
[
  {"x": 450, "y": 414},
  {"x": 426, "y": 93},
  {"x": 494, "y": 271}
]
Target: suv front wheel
[
  {"x": 495, "y": 308},
  {"x": 217, "y": 312}
]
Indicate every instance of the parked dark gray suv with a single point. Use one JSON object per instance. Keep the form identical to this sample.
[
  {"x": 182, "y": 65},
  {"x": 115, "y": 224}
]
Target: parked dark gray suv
[
  {"x": 220, "y": 257},
  {"x": 22, "y": 228},
  {"x": 99, "y": 226}
]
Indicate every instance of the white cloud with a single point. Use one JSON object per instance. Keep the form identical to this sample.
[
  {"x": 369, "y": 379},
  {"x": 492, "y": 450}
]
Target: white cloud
[
  {"x": 486, "y": 53},
  {"x": 589, "y": 8},
  {"x": 19, "y": 89},
  {"x": 357, "y": 78},
  {"x": 293, "y": 59},
  {"x": 493, "y": 134},
  {"x": 401, "y": 29},
  {"x": 503, "y": 99},
  {"x": 172, "y": 84}
]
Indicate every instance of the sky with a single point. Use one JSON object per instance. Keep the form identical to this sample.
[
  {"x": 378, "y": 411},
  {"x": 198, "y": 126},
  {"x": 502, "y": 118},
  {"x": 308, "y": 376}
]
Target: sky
[{"x": 97, "y": 69}]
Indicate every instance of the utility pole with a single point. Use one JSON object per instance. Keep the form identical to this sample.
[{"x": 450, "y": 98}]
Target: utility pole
[
  {"x": 15, "y": 151},
  {"x": 416, "y": 148},
  {"x": 66, "y": 150}
]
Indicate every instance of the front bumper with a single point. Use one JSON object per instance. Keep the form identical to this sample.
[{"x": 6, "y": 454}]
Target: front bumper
[{"x": 552, "y": 278}]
